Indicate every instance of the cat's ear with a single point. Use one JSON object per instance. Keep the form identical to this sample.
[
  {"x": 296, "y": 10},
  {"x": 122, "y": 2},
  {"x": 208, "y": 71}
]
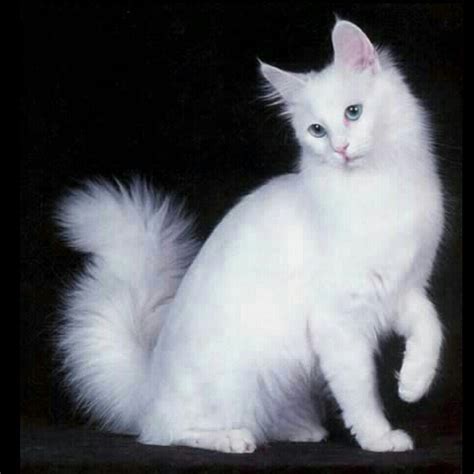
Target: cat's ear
[
  {"x": 352, "y": 48},
  {"x": 285, "y": 84}
]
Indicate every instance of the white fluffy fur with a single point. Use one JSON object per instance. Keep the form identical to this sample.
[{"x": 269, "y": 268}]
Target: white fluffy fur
[
  {"x": 291, "y": 290},
  {"x": 140, "y": 249}
]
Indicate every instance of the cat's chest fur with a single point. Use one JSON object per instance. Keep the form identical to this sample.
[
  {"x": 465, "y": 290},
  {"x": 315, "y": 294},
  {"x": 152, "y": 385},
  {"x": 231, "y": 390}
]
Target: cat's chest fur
[
  {"x": 368, "y": 237},
  {"x": 363, "y": 218}
]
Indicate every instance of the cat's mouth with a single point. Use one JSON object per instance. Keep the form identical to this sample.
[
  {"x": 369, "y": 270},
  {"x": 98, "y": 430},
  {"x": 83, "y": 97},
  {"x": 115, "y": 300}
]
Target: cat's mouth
[{"x": 350, "y": 159}]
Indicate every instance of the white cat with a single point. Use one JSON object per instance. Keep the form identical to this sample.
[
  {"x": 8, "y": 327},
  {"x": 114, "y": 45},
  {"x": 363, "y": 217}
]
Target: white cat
[{"x": 290, "y": 291}]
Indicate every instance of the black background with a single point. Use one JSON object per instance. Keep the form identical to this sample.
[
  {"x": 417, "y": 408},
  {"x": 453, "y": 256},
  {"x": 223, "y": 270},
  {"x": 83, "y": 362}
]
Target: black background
[{"x": 170, "y": 92}]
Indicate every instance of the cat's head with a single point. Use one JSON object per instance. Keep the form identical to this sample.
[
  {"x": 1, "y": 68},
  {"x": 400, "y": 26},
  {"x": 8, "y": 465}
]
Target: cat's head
[{"x": 350, "y": 112}]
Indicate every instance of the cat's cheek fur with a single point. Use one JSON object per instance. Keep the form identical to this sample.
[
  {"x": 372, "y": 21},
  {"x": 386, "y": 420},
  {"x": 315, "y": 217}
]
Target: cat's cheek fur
[{"x": 317, "y": 148}]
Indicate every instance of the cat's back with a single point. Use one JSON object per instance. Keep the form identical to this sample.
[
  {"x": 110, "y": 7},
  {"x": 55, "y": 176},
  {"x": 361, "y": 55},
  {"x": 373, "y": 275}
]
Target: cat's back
[
  {"x": 252, "y": 261},
  {"x": 245, "y": 286},
  {"x": 265, "y": 224}
]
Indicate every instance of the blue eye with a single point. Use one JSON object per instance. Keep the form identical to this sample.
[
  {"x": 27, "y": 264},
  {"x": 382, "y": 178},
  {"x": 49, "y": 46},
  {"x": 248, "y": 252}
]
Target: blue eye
[
  {"x": 353, "y": 112},
  {"x": 317, "y": 130}
]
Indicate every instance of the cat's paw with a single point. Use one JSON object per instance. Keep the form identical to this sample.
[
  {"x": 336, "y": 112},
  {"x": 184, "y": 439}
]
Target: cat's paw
[
  {"x": 414, "y": 380},
  {"x": 225, "y": 441},
  {"x": 311, "y": 435},
  {"x": 235, "y": 441},
  {"x": 393, "y": 440}
]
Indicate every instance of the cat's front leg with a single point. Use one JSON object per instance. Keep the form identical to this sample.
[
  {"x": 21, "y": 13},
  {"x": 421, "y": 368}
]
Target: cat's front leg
[
  {"x": 418, "y": 322},
  {"x": 347, "y": 361}
]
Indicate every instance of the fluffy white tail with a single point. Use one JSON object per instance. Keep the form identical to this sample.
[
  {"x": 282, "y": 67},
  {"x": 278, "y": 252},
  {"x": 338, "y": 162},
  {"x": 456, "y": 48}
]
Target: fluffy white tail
[{"x": 140, "y": 246}]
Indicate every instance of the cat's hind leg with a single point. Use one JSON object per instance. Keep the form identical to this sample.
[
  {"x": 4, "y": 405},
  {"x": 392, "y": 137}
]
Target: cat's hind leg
[
  {"x": 295, "y": 429},
  {"x": 226, "y": 441},
  {"x": 314, "y": 433},
  {"x": 164, "y": 425},
  {"x": 295, "y": 407}
]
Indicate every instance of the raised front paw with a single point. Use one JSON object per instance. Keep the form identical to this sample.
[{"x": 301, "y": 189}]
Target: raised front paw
[
  {"x": 414, "y": 380},
  {"x": 393, "y": 440}
]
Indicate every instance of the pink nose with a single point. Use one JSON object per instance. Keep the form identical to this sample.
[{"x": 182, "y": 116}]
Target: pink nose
[{"x": 341, "y": 149}]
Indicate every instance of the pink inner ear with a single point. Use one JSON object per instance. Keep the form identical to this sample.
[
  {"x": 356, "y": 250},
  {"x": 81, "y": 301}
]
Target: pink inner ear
[
  {"x": 353, "y": 49},
  {"x": 358, "y": 54}
]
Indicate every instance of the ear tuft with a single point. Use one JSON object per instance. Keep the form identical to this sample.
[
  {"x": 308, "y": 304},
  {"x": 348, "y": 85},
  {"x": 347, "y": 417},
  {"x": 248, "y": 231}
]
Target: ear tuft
[
  {"x": 284, "y": 85},
  {"x": 352, "y": 47}
]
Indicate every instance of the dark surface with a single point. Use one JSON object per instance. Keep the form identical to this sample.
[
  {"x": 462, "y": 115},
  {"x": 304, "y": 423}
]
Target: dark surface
[
  {"x": 81, "y": 450},
  {"x": 170, "y": 92}
]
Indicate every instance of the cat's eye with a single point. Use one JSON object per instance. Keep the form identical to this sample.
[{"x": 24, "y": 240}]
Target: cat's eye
[
  {"x": 317, "y": 130},
  {"x": 353, "y": 112}
]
